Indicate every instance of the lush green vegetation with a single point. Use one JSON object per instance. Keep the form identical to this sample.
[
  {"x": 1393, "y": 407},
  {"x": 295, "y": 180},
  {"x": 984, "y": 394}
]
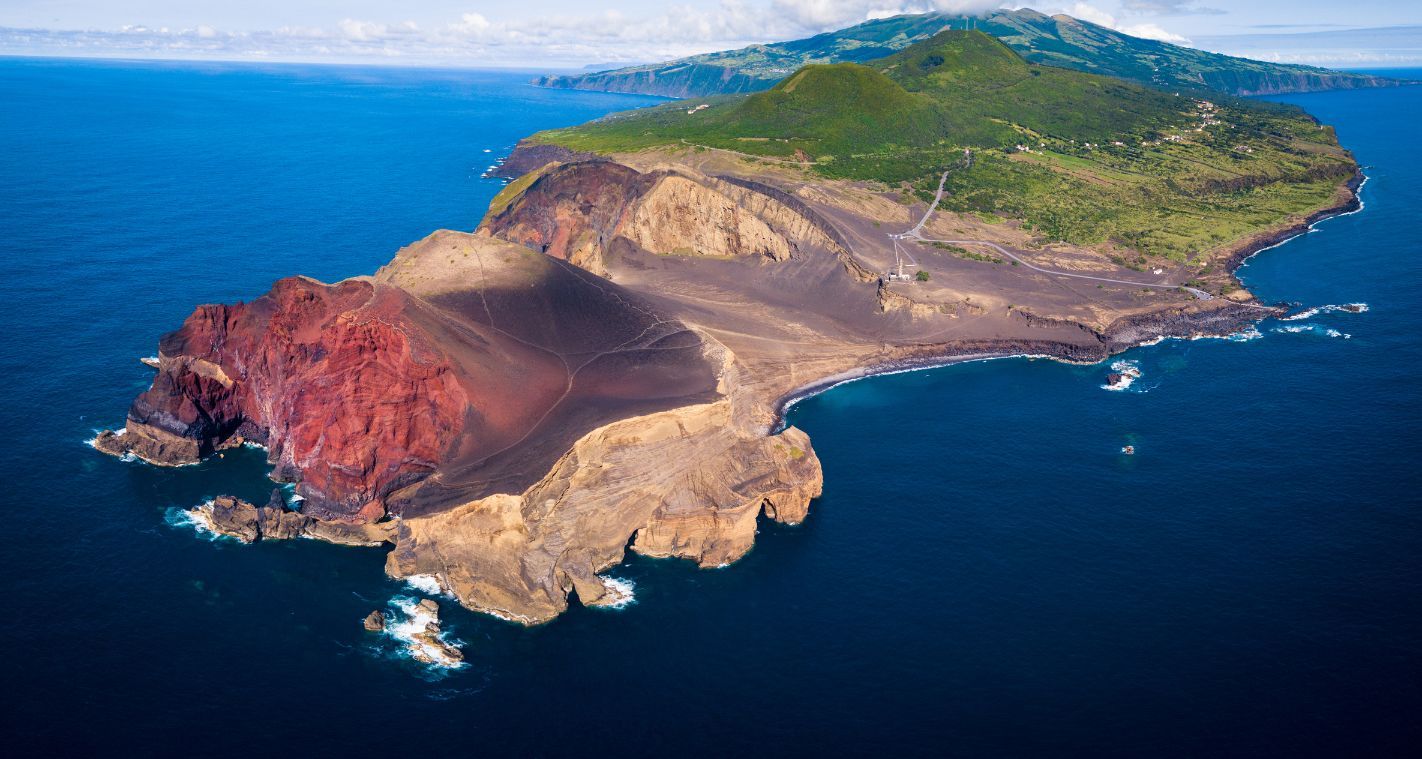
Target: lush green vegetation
[
  {"x": 1075, "y": 157},
  {"x": 901, "y": 115},
  {"x": 513, "y": 190},
  {"x": 1054, "y": 40}
]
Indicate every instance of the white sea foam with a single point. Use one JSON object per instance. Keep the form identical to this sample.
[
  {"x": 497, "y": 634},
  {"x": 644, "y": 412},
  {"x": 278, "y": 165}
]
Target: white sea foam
[
  {"x": 127, "y": 457},
  {"x": 620, "y": 593},
  {"x": 410, "y": 631},
  {"x": 1346, "y": 308},
  {"x": 1316, "y": 329},
  {"x": 427, "y": 584},
  {"x": 198, "y": 519},
  {"x": 288, "y": 490},
  {"x": 1304, "y": 314},
  {"x": 93, "y": 442},
  {"x": 1242, "y": 336},
  {"x": 1124, "y": 383},
  {"x": 1130, "y": 371}
]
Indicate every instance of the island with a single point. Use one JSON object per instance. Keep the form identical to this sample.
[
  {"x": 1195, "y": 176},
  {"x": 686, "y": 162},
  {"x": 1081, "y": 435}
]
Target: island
[
  {"x": 1056, "y": 40},
  {"x": 603, "y": 365}
]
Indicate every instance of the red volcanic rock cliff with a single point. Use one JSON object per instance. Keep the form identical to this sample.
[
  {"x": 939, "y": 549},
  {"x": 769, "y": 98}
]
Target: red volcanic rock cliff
[
  {"x": 334, "y": 379},
  {"x": 468, "y": 365}
]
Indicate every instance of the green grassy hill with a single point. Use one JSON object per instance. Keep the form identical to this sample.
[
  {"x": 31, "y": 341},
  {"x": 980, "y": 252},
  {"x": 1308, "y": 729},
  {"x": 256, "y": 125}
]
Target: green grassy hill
[
  {"x": 1078, "y": 157},
  {"x": 1055, "y": 40}
]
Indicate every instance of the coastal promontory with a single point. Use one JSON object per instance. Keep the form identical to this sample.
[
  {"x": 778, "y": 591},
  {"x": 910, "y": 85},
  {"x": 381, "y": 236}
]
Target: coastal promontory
[{"x": 603, "y": 364}]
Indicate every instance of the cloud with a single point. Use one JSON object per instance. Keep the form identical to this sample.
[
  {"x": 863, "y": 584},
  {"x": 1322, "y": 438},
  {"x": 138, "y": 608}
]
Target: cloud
[
  {"x": 547, "y": 40},
  {"x": 1298, "y": 26},
  {"x": 1088, "y": 12},
  {"x": 1168, "y": 7},
  {"x": 823, "y": 15},
  {"x": 1153, "y": 32}
]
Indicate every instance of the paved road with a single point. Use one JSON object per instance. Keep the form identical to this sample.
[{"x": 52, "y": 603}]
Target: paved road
[
  {"x": 917, "y": 234},
  {"x": 931, "y": 207}
]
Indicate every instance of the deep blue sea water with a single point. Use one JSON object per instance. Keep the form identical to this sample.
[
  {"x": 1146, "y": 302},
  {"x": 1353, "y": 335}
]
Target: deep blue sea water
[{"x": 985, "y": 574}]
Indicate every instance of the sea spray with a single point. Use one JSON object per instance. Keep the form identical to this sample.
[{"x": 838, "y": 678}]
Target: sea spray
[
  {"x": 416, "y": 627},
  {"x": 198, "y": 519},
  {"x": 1307, "y": 313},
  {"x": 1317, "y": 329},
  {"x": 620, "y": 593},
  {"x": 1124, "y": 374},
  {"x": 428, "y": 584}
]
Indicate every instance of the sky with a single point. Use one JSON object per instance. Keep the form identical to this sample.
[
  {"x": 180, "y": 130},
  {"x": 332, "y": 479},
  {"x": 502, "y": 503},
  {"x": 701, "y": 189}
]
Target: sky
[{"x": 574, "y": 33}]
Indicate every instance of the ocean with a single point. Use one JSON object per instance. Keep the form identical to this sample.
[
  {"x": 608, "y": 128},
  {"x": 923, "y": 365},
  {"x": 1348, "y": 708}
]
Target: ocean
[{"x": 986, "y": 573}]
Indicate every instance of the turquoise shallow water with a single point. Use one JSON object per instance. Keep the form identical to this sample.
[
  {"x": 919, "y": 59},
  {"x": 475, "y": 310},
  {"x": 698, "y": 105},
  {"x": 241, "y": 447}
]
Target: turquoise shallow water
[{"x": 985, "y": 574}]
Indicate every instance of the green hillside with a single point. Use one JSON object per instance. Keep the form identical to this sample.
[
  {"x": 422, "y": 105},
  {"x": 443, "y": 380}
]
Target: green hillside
[
  {"x": 1055, "y": 40},
  {"x": 1078, "y": 157}
]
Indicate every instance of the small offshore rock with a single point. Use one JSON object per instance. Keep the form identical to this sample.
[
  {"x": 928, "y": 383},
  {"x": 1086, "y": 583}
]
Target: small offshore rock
[
  {"x": 375, "y": 621},
  {"x": 431, "y": 649},
  {"x": 236, "y": 518}
]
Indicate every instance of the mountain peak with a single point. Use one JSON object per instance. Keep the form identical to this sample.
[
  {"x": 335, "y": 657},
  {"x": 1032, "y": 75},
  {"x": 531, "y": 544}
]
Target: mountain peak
[{"x": 1058, "y": 40}]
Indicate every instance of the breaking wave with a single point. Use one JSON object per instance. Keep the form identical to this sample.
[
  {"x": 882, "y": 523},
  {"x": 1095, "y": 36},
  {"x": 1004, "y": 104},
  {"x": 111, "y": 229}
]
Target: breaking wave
[
  {"x": 1317, "y": 329},
  {"x": 195, "y": 519},
  {"x": 1129, "y": 372},
  {"x": 620, "y": 593},
  {"x": 427, "y": 584},
  {"x": 411, "y": 631},
  {"x": 93, "y": 442},
  {"x": 1308, "y": 313}
]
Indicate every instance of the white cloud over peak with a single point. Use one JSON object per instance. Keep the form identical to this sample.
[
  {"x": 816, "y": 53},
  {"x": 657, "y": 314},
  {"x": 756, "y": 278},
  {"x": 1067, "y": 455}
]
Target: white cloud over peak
[{"x": 822, "y": 15}]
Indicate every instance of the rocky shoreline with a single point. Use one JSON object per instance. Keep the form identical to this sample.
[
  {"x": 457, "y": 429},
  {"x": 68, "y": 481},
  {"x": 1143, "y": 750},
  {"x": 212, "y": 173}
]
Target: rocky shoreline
[
  {"x": 1131, "y": 334},
  {"x": 1349, "y": 204},
  {"x": 1138, "y": 332}
]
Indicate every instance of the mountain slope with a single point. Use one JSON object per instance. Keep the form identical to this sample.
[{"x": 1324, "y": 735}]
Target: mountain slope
[
  {"x": 1055, "y": 40},
  {"x": 1077, "y": 157}
]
